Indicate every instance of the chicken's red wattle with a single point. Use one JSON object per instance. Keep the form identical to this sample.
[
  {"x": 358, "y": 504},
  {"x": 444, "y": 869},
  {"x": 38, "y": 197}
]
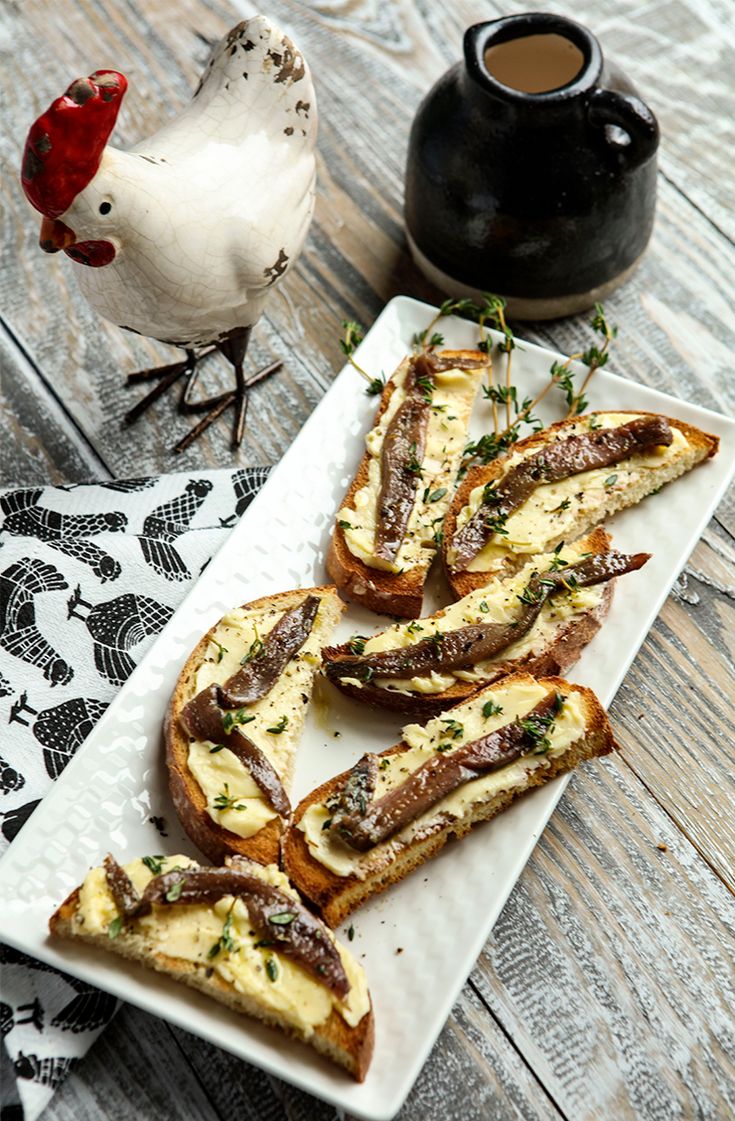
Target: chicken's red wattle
[{"x": 92, "y": 253}]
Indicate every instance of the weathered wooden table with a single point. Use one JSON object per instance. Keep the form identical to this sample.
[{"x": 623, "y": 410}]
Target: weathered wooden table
[{"x": 607, "y": 988}]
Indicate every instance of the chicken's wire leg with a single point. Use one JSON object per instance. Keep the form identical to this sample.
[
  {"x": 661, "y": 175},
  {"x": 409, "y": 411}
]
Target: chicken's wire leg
[
  {"x": 262, "y": 374},
  {"x": 186, "y": 405},
  {"x": 223, "y": 403},
  {"x": 233, "y": 348},
  {"x": 241, "y": 407},
  {"x": 166, "y": 376}
]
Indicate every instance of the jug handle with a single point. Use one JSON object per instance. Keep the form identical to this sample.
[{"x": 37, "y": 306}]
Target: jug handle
[{"x": 608, "y": 107}]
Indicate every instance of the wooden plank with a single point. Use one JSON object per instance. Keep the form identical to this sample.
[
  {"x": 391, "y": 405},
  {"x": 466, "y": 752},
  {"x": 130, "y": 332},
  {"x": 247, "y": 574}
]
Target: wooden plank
[
  {"x": 674, "y": 710},
  {"x": 474, "y": 1073},
  {"x": 725, "y": 516},
  {"x": 239, "y": 1090},
  {"x": 40, "y": 444},
  {"x": 134, "y": 1072},
  {"x": 473, "y": 1070},
  {"x": 611, "y": 965}
]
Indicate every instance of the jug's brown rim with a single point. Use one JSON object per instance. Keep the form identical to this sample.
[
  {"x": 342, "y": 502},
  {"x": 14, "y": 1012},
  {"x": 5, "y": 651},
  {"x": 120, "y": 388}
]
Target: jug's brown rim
[{"x": 478, "y": 38}]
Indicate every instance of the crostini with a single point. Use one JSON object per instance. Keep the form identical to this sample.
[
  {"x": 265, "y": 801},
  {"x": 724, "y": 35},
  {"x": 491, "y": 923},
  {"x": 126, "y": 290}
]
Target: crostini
[
  {"x": 389, "y": 526},
  {"x": 369, "y": 827},
  {"x": 240, "y": 934},
  {"x": 557, "y": 484},
  {"x": 235, "y": 720},
  {"x": 537, "y": 620}
]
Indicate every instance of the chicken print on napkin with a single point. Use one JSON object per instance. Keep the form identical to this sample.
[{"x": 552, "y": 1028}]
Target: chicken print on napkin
[{"x": 89, "y": 574}]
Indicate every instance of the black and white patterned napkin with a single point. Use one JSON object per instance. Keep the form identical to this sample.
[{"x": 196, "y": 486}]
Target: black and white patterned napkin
[{"x": 89, "y": 574}]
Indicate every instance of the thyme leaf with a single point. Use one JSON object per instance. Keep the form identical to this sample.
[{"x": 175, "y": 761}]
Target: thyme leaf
[
  {"x": 226, "y": 801},
  {"x": 230, "y": 720},
  {"x": 154, "y": 864}
]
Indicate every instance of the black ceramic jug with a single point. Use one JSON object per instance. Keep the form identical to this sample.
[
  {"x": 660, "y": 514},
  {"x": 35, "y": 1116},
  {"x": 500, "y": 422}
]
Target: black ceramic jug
[{"x": 544, "y": 194}]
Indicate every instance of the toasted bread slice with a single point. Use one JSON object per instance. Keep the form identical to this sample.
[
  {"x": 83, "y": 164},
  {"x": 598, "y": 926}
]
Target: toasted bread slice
[
  {"x": 197, "y": 776},
  {"x": 241, "y": 979},
  {"x": 356, "y": 573},
  {"x": 564, "y": 510},
  {"x": 339, "y": 879},
  {"x": 566, "y": 625}
]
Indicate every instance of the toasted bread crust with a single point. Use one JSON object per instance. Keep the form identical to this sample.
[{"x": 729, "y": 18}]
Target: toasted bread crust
[
  {"x": 555, "y": 659},
  {"x": 337, "y": 896},
  {"x": 188, "y": 797},
  {"x": 352, "y": 1048},
  {"x": 463, "y": 582},
  {"x": 386, "y": 593}
]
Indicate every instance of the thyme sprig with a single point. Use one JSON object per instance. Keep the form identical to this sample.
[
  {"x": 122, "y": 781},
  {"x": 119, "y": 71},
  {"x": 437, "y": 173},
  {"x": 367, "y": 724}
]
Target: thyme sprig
[
  {"x": 423, "y": 341},
  {"x": 413, "y": 466},
  {"x": 227, "y": 801},
  {"x": 428, "y": 338},
  {"x": 231, "y": 719},
  {"x": 255, "y": 650},
  {"x": 225, "y": 941},
  {"x": 489, "y": 446},
  {"x": 594, "y": 357},
  {"x": 562, "y": 376},
  {"x": 493, "y": 310},
  {"x": 490, "y": 312},
  {"x": 348, "y": 344}
]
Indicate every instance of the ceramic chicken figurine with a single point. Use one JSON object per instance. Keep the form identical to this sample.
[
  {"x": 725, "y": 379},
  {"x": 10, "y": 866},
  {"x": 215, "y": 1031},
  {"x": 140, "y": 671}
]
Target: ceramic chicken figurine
[{"x": 183, "y": 237}]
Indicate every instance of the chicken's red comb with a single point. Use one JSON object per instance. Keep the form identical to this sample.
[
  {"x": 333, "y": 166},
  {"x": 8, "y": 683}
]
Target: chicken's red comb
[{"x": 65, "y": 145}]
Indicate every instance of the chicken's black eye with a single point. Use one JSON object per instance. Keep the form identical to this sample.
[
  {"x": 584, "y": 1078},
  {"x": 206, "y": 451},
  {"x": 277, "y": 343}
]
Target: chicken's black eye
[{"x": 105, "y": 207}]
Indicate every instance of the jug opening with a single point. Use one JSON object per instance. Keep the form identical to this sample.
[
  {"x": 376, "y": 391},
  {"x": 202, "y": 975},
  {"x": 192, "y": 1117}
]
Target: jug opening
[{"x": 535, "y": 63}]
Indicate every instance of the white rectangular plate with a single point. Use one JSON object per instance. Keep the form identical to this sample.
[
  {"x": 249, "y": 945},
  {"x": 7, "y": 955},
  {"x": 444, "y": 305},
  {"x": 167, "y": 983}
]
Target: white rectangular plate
[{"x": 441, "y": 917}]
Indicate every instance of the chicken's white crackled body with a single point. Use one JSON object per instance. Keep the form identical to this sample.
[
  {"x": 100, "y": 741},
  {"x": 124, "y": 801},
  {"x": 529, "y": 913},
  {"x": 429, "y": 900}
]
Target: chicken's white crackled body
[{"x": 191, "y": 228}]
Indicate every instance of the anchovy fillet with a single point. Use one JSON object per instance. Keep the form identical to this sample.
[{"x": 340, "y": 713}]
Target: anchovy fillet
[
  {"x": 279, "y": 919},
  {"x": 401, "y": 457},
  {"x": 121, "y": 886},
  {"x": 439, "y": 776},
  {"x": 467, "y": 646},
  {"x": 260, "y": 673},
  {"x": 558, "y": 460},
  {"x": 203, "y": 717}
]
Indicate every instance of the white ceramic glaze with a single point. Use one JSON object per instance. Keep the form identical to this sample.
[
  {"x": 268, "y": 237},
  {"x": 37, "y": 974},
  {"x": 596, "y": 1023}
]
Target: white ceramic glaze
[
  {"x": 440, "y": 917},
  {"x": 209, "y": 212}
]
